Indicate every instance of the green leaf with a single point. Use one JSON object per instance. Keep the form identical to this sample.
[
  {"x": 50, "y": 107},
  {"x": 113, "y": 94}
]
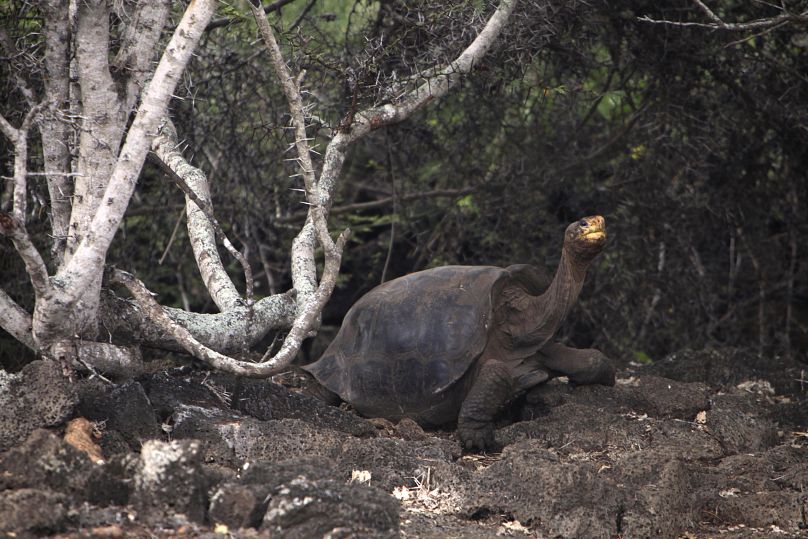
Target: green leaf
[{"x": 467, "y": 203}]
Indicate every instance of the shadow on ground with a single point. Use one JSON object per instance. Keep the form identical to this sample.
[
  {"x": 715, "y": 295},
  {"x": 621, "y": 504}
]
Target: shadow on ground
[{"x": 700, "y": 444}]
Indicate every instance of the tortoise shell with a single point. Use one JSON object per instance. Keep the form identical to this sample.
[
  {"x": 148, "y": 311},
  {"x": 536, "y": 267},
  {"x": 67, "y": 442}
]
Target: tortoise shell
[{"x": 408, "y": 346}]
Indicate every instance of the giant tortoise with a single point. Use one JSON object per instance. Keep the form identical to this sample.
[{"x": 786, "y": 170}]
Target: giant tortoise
[{"x": 460, "y": 342}]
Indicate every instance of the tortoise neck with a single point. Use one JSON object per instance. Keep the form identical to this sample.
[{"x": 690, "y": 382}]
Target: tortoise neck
[{"x": 547, "y": 311}]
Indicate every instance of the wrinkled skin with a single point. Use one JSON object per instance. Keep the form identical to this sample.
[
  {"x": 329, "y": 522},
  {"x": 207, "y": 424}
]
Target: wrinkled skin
[{"x": 460, "y": 342}]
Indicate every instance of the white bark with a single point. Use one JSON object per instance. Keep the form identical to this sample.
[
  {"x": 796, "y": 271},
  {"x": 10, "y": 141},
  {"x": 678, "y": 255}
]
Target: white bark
[
  {"x": 158, "y": 315},
  {"x": 119, "y": 362},
  {"x": 315, "y": 296},
  {"x": 13, "y": 318},
  {"x": 308, "y": 315},
  {"x": 230, "y": 332},
  {"x": 237, "y": 327},
  {"x": 310, "y": 310},
  {"x": 106, "y": 107},
  {"x": 291, "y": 90},
  {"x": 16, "y": 321},
  {"x": 136, "y": 52},
  {"x": 19, "y": 139},
  {"x": 200, "y": 228},
  {"x": 783, "y": 18},
  {"x": 13, "y": 225},
  {"x": 84, "y": 269},
  {"x": 103, "y": 121},
  {"x": 53, "y": 127}
]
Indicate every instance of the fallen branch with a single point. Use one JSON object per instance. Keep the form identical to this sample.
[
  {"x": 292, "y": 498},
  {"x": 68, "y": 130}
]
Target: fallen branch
[
  {"x": 158, "y": 315},
  {"x": 120, "y": 362},
  {"x": 227, "y": 332}
]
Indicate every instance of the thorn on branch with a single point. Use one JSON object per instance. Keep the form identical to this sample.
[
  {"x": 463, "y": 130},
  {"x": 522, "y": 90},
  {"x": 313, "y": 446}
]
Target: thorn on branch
[
  {"x": 206, "y": 208},
  {"x": 719, "y": 24}
]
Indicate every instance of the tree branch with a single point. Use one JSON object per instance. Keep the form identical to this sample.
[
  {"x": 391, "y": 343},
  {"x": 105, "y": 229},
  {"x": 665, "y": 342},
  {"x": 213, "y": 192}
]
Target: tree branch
[
  {"x": 140, "y": 37},
  {"x": 19, "y": 138},
  {"x": 202, "y": 223},
  {"x": 718, "y": 24},
  {"x": 53, "y": 127},
  {"x": 303, "y": 265},
  {"x": 303, "y": 321},
  {"x": 302, "y": 15},
  {"x": 269, "y": 8},
  {"x": 228, "y": 332},
  {"x": 14, "y": 228},
  {"x": 13, "y": 225},
  {"x": 103, "y": 122},
  {"x": 445, "y": 79},
  {"x": 313, "y": 297},
  {"x": 160, "y": 317},
  {"x": 16, "y": 321},
  {"x": 291, "y": 90},
  {"x": 91, "y": 252},
  {"x": 386, "y": 201},
  {"x": 308, "y": 315}
]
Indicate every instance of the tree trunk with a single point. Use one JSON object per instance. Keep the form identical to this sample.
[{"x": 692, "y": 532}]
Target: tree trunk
[{"x": 108, "y": 176}]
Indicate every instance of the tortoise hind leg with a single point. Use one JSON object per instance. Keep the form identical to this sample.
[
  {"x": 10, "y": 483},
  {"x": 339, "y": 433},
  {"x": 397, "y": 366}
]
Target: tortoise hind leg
[
  {"x": 581, "y": 366},
  {"x": 492, "y": 388}
]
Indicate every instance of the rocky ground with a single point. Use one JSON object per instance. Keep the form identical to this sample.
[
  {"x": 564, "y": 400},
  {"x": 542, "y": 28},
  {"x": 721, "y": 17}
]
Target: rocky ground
[{"x": 702, "y": 444}]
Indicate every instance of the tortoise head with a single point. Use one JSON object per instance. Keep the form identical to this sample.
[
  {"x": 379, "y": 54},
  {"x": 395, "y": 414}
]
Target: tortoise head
[{"x": 585, "y": 238}]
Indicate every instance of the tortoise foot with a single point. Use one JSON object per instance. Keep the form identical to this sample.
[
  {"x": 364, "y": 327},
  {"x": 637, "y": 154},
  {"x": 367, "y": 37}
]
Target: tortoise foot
[{"x": 476, "y": 435}]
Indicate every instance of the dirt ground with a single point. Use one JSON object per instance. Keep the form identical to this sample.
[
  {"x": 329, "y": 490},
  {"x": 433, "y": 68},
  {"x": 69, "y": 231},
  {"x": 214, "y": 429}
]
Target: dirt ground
[{"x": 702, "y": 444}]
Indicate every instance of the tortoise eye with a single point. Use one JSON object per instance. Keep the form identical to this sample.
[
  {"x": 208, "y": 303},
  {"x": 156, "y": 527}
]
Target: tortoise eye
[{"x": 583, "y": 222}]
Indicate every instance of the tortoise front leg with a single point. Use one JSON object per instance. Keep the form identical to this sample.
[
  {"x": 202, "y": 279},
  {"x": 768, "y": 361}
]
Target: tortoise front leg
[
  {"x": 492, "y": 388},
  {"x": 581, "y": 366}
]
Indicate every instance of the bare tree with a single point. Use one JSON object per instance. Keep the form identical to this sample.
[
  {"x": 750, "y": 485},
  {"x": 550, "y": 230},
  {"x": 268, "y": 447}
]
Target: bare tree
[{"x": 95, "y": 136}]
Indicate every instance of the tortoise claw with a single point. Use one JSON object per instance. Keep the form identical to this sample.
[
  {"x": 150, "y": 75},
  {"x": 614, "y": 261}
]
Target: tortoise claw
[{"x": 476, "y": 435}]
